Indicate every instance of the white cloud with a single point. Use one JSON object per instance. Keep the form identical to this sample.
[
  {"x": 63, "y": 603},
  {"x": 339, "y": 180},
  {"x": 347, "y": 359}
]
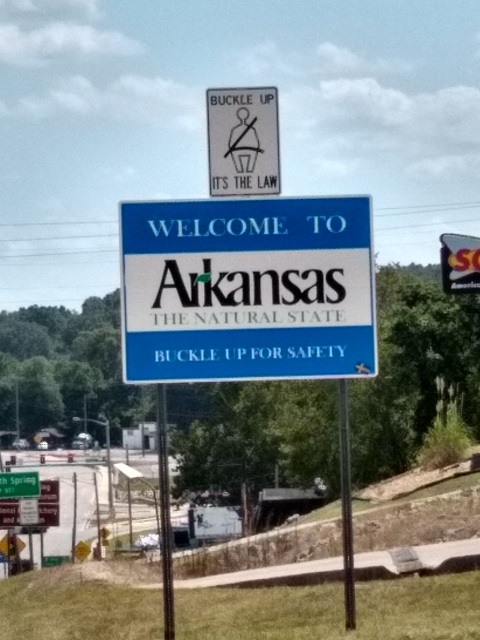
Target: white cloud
[
  {"x": 338, "y": 61},
  {"x": 450, "y": 118},
  {"x": 34, "y": 47},
  {"x": 329, "y": 168},
  {"x": 454, "y": 167},
  {"x": 365, "y": 101},
  {"x": 328, "y": 61},
  {"x": 64, "y": 9},
  {"x": 140, "y": 98},
  {"x": 434, "y": 134},
  {"x": 267, "y": 58}
]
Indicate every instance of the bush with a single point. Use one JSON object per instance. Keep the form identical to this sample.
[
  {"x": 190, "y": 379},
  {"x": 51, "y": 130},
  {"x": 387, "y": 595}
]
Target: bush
[{"x": 446, "y": 442}]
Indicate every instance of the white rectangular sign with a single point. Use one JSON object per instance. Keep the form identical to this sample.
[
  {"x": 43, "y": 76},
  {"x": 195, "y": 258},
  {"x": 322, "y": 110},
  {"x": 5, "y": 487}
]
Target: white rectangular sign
[
  {"x": 28, "y": 509},
  {"x": 253, "y": 305},
  {"x": 243, "y": 142}
]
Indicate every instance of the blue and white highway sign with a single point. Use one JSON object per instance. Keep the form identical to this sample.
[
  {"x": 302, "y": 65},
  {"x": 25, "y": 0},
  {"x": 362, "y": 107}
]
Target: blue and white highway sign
[{"x": 248, "y": 289}]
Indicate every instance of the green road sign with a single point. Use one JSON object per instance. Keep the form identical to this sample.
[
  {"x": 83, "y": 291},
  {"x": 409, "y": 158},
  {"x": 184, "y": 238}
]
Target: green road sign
[
  {"x": 24, "y": 484},
  {"x": 55, "y": 561}
]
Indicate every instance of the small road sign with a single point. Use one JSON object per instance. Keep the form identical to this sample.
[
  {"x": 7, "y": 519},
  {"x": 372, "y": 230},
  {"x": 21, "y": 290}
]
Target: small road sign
[
  {"x": 32, "y": 529},
  {"x": 4, "y": 545},
  {"x": 24, "y": 484},
  {"x": 82, "y": 551},
  {"x": 55, "y": 561},
  {"x": 28, "y": 510},
  {"x": 243, "y": 142}
]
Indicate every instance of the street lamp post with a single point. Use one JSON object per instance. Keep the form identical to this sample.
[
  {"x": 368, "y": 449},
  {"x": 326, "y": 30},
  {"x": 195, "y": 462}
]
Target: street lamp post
[{"x": 104, "y": 423}]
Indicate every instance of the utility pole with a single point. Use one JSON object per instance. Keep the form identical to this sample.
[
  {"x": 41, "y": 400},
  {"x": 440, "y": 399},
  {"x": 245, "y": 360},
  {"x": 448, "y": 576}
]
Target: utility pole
[
  {"x": 129, "y": 497},
  {"x": 246, "y": 514},
  {"x": 109, "y": 470},
  {"x": 74, "y": 527},
  {"x": 85, "y": 426},
  {"x": 98, "y": 554},
  {"x": 17, "y": 409}
]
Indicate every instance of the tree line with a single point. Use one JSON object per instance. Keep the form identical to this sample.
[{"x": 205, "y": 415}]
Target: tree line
[{"x": 56, "y": 363}]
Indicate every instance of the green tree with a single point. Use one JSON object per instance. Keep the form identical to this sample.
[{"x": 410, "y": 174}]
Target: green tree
[
  {"x": 41, "y": 403},
  {"x": 24, "y": 339},
  {"x": 233, "y": 446},
  {"x": 100, "y": 347},
  {"x": 382, "y": 424},
  {"x": 54, "y": 319},
  {"x": 8, "y": 371},
  {"x": 426, "y": 337},
  {"x": 304, "y": 419},
  {"x": 78, "y": 383}
]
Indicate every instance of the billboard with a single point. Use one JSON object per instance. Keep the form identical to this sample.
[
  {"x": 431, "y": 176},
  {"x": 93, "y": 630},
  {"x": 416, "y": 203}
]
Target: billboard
[
  {"x": 247, "y": 289},
  {"x": 460, "y": 260}
]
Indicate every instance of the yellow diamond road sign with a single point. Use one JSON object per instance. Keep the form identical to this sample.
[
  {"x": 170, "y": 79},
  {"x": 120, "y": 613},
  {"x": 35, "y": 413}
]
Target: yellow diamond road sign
[
  {"x": 4, "y": 545},
  {"x": 82, "y": 551}
]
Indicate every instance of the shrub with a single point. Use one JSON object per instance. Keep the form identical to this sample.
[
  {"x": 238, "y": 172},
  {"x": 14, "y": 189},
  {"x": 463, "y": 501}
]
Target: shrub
[{"x": 446, "y": 442}]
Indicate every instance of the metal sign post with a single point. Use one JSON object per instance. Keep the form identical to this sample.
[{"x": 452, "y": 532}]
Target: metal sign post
[
  {"x": 166, "y": 526},
  {"x": 348, "y": 557}
]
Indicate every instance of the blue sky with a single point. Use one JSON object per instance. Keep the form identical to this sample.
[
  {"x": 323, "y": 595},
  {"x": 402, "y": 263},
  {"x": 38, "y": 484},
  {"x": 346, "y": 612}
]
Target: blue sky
[{"x": 104, "y": 100}]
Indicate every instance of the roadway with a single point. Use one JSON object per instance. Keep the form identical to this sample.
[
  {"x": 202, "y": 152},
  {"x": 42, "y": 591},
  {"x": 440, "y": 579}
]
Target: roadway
[{"x": 57, "y": 541}]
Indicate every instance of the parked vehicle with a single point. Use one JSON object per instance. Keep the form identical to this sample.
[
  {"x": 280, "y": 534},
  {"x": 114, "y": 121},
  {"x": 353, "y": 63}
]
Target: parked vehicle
[
  {"x": 20, "y": 444},
  {"x": 79, "y": 444},
  {"x": 82, "y": 441},
  {"x": 42, "y": 446}
]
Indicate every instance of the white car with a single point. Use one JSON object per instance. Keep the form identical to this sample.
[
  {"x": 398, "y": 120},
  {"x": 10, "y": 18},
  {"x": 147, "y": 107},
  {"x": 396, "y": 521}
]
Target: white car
[
  {"x": 20, "y": 444},
  {"x": 43, "y": 445}
]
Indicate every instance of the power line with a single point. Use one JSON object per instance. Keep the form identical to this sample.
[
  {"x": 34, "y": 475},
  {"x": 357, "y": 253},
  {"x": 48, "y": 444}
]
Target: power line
[
  {"x": 399, "y": 211},
  {"x": 426, "y": 224},
  {"x": 103, "y": 235},
  {"x": 459, "y": 205},
  {"x": 97, "y": 251},
  {"x": 56, "y": 264},
  {"x": 404, "y": 210},
  {"x": 63, "y": 223},
  {"x": 60, "y": 253}
]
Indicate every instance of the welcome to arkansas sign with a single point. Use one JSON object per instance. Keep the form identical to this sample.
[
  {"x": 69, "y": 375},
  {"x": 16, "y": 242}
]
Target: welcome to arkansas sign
[{"x": 247, "y": 289}]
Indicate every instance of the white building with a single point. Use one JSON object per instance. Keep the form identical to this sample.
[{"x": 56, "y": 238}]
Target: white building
[{"x": 145, "y": 432}]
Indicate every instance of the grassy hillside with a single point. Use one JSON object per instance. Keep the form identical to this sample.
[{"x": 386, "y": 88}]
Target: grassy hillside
[{"x": 443, "y": 608}]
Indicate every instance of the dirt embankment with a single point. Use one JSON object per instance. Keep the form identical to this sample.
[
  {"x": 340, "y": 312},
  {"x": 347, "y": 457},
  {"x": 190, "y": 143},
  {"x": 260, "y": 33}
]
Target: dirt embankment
[
  {"x": 411, "y": 481},
  {"x": 387, "y": 524}
]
